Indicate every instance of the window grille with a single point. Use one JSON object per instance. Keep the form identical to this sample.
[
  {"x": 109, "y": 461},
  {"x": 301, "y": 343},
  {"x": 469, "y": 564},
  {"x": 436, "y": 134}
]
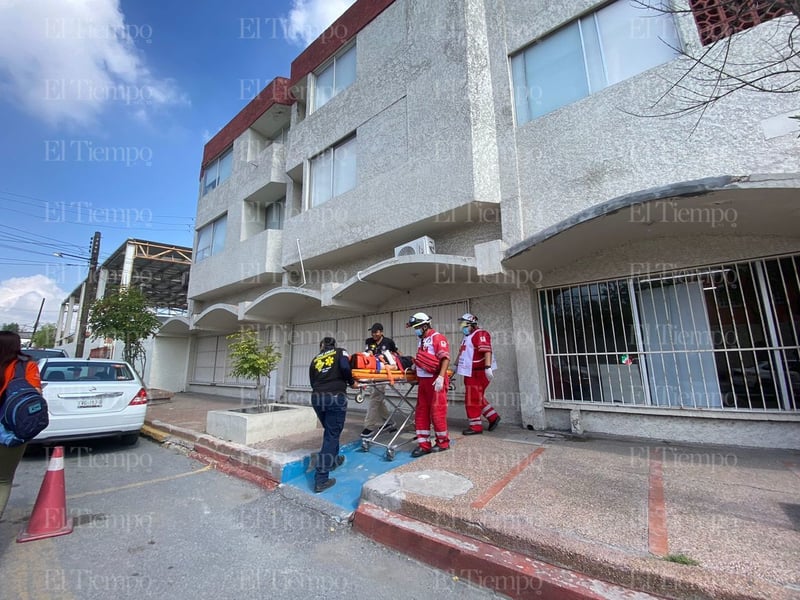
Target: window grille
[
  {"x": 718, "y": 19},
  {"x": 722, "y": 337}
]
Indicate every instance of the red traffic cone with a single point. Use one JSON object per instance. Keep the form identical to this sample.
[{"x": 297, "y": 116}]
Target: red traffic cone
[{"x": 49, "y": 516}]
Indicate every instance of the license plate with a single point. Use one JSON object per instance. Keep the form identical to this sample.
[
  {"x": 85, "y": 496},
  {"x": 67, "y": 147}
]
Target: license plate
[{"x": 90, "y": 403}]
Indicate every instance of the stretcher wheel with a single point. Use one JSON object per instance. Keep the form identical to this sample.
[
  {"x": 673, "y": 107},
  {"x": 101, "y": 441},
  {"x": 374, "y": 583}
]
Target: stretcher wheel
[
  {"x": 359, "y": 397},
  {"x": 389, "y": 454}
]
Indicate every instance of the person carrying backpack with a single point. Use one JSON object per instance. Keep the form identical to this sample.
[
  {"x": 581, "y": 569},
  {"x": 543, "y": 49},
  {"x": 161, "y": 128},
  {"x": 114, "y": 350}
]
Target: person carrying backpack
[{"x": 10, "y": 354}]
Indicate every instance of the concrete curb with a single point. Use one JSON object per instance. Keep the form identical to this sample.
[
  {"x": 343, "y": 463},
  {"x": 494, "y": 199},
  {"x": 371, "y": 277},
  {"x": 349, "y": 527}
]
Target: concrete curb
[
  {"x": 511, "y": 574},
  {"x": 316, "y": 503},
  {"x": 233, "y": 458},
  {"x": 544, "y": 565},
  {"x": 593, "y": 561}
]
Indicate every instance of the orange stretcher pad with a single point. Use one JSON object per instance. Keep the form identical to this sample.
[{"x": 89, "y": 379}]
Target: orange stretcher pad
[{"x": 390, "y": 375}]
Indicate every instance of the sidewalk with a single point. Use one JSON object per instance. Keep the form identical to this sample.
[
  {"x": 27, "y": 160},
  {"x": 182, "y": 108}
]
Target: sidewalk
[{"x": 546, "y": 515}]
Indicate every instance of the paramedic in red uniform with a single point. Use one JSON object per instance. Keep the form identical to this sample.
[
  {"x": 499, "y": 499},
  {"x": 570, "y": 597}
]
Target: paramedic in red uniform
[
  {"x": 474, "y": 362},
  {"x": 431, "y": 362}
]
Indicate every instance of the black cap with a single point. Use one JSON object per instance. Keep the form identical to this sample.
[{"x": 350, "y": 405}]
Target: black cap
[{"x": 376, "y": 327}]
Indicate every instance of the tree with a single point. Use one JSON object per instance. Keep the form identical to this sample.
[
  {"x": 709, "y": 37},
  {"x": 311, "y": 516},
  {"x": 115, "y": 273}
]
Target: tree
[
  {"x": 45, "y": 337},
  {"x": 10, "y": 327},
  {"x": 125, "y": 316},
  {"x": 253, "y": 361},
  {"x": 729, "y": 59}
]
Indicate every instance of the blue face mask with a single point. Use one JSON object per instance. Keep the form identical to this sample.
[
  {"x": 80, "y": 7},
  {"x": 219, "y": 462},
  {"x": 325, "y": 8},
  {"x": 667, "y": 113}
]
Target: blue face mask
[
  {"x": 418, "y": 331},
  {"x": 465, "y": 330}
]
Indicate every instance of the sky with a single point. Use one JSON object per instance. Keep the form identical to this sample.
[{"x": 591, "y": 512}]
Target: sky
[{"x": 105, "y": 106}]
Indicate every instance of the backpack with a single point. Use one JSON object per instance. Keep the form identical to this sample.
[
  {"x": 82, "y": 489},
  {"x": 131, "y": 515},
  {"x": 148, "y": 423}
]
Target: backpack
[{"x": 23, "y": 413}]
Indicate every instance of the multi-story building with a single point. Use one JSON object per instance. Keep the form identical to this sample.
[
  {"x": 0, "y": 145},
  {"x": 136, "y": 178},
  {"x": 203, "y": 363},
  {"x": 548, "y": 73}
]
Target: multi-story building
[{"x": 639, "y": 274}]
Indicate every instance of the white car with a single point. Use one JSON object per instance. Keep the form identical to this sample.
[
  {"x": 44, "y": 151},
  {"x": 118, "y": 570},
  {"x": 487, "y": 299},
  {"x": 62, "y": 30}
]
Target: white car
[{"x": 91, "y": 398}]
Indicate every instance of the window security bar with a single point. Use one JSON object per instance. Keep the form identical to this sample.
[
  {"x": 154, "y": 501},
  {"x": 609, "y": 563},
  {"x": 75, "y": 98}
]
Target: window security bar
[{"x": 718, "y": 338}]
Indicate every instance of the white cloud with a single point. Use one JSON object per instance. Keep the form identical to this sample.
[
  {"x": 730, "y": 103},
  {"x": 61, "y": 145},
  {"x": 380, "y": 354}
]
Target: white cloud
[
  {"x": 65, "y": 61},
  {"x": 309, "y": 18},
  {"x": 21, "y": 297}
]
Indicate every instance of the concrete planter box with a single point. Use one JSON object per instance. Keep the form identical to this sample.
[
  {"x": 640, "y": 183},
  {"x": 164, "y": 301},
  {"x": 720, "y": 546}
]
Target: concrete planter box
[{"x": 248, "y": 426}]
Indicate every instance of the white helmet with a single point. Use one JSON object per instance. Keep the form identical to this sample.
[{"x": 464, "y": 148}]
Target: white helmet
[
  {"x": 468, "y": 319},
  {"x": 418, "y": 320}
]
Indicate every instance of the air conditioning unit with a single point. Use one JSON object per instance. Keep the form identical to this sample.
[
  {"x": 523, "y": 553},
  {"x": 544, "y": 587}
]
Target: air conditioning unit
[{"x": 423, "y": 245}]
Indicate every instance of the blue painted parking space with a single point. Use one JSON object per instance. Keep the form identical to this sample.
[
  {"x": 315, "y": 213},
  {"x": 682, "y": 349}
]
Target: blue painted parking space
[{"x": 358, "y": 468}]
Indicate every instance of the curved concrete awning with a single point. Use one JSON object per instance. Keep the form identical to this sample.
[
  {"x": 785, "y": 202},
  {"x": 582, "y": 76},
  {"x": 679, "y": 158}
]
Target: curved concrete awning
[
  {"x": 218, "y": 317},
  {"x": 373, "y": 286},
  {"x": 283, "y": 305},
  {"x": 174, "y": 326},
  {"x": 727, "y": 205}
]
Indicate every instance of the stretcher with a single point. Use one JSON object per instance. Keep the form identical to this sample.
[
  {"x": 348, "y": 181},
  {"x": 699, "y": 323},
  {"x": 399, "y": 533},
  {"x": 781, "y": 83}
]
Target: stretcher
[{"x": 401, "y": 382}]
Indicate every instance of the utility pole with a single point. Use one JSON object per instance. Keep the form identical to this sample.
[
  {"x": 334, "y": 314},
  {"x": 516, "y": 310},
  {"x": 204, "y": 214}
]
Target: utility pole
[
  {"x": 36, "y": 324},
  {"x": 89, "y": 292}
]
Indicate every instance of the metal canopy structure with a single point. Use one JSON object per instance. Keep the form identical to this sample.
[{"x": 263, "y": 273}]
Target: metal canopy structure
[{"x": 161, "y": 271}]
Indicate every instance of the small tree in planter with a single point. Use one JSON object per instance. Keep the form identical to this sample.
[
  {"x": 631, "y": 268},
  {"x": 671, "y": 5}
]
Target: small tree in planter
[{"x": 253, "y": 361}]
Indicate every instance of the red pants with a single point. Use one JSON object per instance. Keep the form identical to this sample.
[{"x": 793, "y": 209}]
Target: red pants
[
  {"x": 431, "y": 407},
  {"x": 475, "y": 401}
]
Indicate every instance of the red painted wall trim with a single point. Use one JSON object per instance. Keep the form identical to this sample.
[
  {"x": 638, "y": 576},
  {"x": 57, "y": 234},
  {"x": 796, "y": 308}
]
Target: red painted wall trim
[
  {"x": 277, "y": 92},
  {"x": 345, "y": 28},
  {"x": 337, "y": 35}
]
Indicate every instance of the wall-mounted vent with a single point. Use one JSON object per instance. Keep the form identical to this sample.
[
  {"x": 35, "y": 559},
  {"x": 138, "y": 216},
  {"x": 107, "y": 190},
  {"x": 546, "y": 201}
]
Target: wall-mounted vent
[{"x": 423, "y": 245}]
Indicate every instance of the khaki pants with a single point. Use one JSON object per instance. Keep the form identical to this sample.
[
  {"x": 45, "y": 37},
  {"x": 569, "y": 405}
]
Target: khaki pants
[
  {"x": 9, "y": 459},
  {"x": 377, "y": 413}
]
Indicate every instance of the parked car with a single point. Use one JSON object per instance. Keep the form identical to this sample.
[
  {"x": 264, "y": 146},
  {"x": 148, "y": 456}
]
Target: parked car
[
  {"x": 40, "y": 353},
  {"x": 91, "y": 398}
]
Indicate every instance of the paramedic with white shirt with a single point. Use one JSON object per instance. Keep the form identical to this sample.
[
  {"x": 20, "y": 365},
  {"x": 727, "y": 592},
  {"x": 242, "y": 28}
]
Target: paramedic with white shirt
[{"x": 475, "y": 363}]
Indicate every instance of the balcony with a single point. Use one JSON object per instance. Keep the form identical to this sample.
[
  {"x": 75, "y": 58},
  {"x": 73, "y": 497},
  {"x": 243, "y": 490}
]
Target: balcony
[
  {"x": 262, "y": 177},
  {"x": 241, "y": 266}
]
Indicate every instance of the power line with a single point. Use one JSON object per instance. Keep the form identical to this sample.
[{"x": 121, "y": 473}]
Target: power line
[
  {"x": 78, "y": 208},
  {"x": 44, "y": 237}
]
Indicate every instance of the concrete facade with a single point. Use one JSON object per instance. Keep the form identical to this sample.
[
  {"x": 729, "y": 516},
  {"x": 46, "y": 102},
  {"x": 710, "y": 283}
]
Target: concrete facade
[{"x": 585, "y": 193}]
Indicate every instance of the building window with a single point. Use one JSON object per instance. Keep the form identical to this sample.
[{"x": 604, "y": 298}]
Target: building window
[
  {"x": 274, "y": 214},
  {"x": 718, "y": 19},
  {"x": 722, "y": 337},
  {"x": 333, "y": 172},
  {"x": 336, "y": 76},
  {"x": 218, "y": 171},
  {"x": 598, "y": 50},
  {"x": 211, "y": 239}
]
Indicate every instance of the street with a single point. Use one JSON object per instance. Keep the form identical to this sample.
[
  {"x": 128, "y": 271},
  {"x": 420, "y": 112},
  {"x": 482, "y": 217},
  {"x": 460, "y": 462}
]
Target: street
[{"x": 152, "y": 522}]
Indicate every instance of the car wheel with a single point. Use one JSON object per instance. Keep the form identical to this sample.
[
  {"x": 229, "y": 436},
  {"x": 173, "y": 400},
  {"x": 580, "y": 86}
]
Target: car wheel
[{"x": 129, "y": 439}]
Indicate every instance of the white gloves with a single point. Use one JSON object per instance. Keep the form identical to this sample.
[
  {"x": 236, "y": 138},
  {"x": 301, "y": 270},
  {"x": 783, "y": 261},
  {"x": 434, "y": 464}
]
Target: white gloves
[
  {"x": 489, "y": 373},
  {"x": 438, "y": 384}
]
